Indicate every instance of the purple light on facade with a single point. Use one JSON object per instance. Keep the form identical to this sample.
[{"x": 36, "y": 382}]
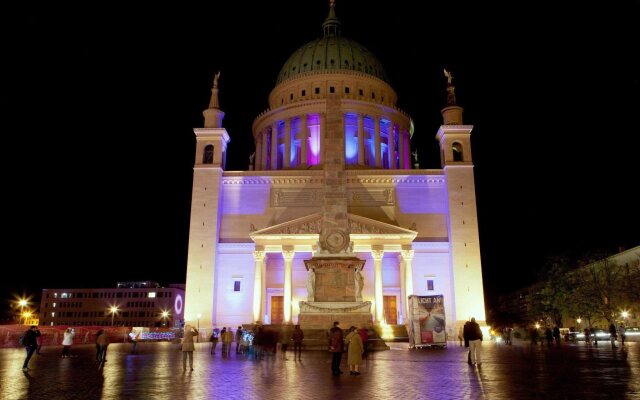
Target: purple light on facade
[
  {"x": 313, "y": 144},
  {"x": 351, "y": 138}
]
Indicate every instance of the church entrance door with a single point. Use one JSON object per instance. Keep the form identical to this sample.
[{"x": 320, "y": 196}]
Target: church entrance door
[
  {"x": 390, "y": 310},
  {"x": 277, "y": 309}
]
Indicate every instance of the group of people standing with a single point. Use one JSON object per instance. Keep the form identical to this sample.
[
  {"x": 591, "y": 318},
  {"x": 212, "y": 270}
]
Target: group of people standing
[{"x": 355, "y": 340}]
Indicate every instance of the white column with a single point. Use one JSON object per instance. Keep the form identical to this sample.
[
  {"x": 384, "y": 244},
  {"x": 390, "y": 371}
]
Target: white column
[
  {"x": 287, "y": 254},
  {"x": 376, "y": 124},
  {"x": 258, "y": 278},
  {"x": 391, "y": 146},
  {"x": 401, "y": 144},
  {"x": 407, "y": 259},
  {"x": 264, "y": 149},
  {"x": 258, "y": 154},
  {"x": 360, "y": 139},
  {"x": 377, "y": 252},
  {"x": 287, "y": 143},
  {"x": 403, "y": 289},
  {"x": 274, "y": 146},
  {"x": 304, "y": 139},
  {"x": 323, "y": 127}
]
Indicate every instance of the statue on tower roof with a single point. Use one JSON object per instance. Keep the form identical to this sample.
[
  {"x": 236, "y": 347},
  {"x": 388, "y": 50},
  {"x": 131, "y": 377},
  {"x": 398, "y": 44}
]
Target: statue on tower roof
[
  {"x": 214, "y": 103},
  {"x": 451, "y": 90}
]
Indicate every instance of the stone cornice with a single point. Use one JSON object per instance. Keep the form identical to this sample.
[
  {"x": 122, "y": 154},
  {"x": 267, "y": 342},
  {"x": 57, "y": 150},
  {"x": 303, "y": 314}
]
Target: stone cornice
[{"x": 316, "y": 177}]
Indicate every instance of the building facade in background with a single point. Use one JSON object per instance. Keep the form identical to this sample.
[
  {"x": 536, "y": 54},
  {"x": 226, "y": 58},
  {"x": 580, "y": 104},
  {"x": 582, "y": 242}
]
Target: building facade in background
[
  {"x": 251, "y": 231},
  {"x": 583, "y": 296},
  {"x": 140, "y": 304}
]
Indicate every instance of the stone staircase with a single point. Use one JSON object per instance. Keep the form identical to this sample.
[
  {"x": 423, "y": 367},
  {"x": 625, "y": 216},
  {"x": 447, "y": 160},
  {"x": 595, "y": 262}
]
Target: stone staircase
[{"x": 317, "y": 339}]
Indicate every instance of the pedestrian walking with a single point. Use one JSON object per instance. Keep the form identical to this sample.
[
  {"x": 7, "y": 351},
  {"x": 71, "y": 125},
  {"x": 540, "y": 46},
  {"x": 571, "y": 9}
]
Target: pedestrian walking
[
  {"x": 284, "y": 339},
  {"x": 355, "y": 350},
  {"x": 134, "y": 336},
  {"x": 613, "y": 335},
  {"x": 67, "y": 342},
  {"x": 213, "y": 339},
  {"x": 336, "y": 345},
  {"x": 365, "y": 341},
  {"x": 29, "y": 341},
  {"x": 556, "y": 334},
  {"x": 239, "y": 334},
  {"x": 622, "y": 334},
  {"x": 474, "y": 335},
  {"x": 188, "y": 347},
  {"x": 102, "y": 341},
  {"x": 465, "y": 335},
  {"x": 298, "y": 337}
]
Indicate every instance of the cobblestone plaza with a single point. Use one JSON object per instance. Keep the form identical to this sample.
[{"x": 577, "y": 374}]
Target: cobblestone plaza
[{"x": 507, "y": 372}]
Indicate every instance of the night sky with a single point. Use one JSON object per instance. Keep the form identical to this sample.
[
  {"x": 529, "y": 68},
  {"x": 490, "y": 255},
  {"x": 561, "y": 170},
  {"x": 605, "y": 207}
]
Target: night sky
[{"x": 100, "y": 104}]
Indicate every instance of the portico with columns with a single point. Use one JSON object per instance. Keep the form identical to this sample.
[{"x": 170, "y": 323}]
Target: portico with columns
[{"x": 374, "y": 240}]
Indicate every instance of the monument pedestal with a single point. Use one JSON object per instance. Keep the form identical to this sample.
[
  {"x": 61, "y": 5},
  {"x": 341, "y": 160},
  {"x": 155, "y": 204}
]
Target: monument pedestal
[
  {"x": 321, "y": 315},
  {"x": 335, "y": 295}
]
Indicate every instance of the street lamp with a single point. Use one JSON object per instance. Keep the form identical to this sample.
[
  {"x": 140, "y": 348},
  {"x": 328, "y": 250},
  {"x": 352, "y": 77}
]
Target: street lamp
[
  {"x": 198, "y": 337},
  {"x": 624, "y": 315},
  {"x": 113, "y": 310},
  {"x": 165, "y": 314},
  {"x": 537, "y": 325}
]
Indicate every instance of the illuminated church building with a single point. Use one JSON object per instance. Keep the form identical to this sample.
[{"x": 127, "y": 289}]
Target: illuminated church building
[{"x": 251, "y": 231}]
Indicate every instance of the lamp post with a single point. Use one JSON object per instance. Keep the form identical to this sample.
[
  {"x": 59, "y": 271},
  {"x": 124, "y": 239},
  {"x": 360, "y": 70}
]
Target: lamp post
[
  {"x": 113, "y": 310},
  {"x": 22, "y": 303},
  {"x": 198, "y": 337},
  {"x": 165, "y": 314},
  {"x": 624, "y": 315}
]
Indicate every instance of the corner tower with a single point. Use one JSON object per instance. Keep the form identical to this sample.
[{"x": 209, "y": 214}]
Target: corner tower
[
  {"x": 211, "y": 150},
  {"x": 455, "y": 154}
]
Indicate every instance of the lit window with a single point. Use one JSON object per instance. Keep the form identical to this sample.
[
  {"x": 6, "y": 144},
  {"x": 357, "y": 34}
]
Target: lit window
[
  {"x": 429, "y": 284},
  {"x": 152, "y": 294},
  {"x": 53, "y": 314},
  {"x": 64, "y": 295},
  {"x": 55, "y": 295},
  {"x": 236, "y": 286},
  {"x": 54, "y": 305}
]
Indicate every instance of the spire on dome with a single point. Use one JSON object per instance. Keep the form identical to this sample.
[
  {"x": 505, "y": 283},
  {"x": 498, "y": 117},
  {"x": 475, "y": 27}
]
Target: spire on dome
[{"x": 331, "y": 25}]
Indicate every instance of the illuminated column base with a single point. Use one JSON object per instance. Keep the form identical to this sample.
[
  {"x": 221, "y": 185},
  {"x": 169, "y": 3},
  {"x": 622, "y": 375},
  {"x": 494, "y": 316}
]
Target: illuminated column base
[
  {"x": 258, "y": 257},
  {"x": 407, "y": 260},
  {"x": 287, "y": 254},
  {"x": 377, "y": 254}
]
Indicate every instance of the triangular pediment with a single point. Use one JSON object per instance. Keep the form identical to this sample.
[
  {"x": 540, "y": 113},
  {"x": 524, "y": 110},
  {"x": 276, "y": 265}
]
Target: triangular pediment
[{"x": 311, "y": 224}]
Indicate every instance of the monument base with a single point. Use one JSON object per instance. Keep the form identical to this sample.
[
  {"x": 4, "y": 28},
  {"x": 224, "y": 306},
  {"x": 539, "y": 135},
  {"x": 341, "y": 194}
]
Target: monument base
[{"x": 321, "y": 315}]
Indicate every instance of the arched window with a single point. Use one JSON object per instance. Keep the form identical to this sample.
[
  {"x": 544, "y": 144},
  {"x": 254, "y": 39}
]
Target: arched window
[
  {"x": 457, "y": 152},
  {"x": 207, "y": 157}
]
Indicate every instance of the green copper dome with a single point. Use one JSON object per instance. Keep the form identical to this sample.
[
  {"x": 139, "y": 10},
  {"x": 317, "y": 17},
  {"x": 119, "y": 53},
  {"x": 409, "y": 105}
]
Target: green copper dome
[{"x": 332, "y": 53}]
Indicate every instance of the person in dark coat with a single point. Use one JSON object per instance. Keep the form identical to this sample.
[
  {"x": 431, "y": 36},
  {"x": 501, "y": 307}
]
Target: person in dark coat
[
  {"x": 465, "y": 335},
  {"x": 30, "y": 345},
  {"x": 474, "y": 336},
  {"x": 336, "y": 345}
]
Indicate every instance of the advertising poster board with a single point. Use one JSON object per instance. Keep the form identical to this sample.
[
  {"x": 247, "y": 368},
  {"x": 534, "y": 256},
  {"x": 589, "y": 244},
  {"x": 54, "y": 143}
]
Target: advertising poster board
[{"x": 427, "y": 321}]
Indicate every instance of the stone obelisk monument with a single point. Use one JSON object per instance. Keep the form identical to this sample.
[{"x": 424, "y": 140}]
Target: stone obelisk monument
[{"x": 334, "y": 282}]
